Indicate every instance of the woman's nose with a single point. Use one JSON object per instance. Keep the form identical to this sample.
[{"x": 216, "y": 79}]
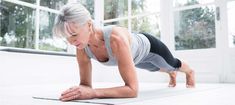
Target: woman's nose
[{"x": 75, "y": 42}]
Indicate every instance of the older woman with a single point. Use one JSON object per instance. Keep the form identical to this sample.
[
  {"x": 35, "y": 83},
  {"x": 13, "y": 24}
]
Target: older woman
[{"x": 113, "y": 45}]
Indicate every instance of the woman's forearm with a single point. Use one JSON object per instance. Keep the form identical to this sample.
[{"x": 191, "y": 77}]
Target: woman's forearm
[{"x": 116, "y": 92}]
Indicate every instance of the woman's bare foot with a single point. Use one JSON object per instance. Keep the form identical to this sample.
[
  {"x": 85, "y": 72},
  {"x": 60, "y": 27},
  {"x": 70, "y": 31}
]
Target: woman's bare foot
[
  {"x": 172, "y": 76},
  {"x": 190, "y": 79}
]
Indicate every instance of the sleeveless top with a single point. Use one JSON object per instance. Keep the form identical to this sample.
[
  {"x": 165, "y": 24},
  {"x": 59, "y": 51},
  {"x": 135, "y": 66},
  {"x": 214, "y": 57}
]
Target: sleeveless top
[{"x": 140, "y": 47}]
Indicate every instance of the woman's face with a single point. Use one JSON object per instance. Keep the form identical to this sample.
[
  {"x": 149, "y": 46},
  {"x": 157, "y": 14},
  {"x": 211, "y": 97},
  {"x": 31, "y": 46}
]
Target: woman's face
[{"x": 77, "y": 35}]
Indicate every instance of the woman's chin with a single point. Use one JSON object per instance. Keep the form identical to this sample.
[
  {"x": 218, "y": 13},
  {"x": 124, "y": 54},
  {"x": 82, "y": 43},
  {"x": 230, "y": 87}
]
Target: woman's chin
[{"x": 80, "y": 47}]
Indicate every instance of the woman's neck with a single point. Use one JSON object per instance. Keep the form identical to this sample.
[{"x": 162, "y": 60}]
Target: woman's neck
[{"x": 96, "y": 39}]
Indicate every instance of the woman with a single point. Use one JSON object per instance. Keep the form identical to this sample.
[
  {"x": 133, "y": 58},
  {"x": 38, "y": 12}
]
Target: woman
[{"x": 113, "y": 46}]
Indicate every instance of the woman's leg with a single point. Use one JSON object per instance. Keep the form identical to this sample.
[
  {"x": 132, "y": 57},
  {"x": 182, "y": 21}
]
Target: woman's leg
[
  {"x": 190, "y": 76},
  {"x": 172, "y": 76},
  {"x": 162, "y": 58}
]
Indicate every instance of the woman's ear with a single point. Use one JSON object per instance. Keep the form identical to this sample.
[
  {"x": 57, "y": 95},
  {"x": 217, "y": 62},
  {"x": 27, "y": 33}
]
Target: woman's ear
[{"x": 90, "y": 25}]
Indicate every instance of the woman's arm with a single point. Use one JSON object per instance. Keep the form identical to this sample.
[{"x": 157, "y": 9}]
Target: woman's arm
[
  {"x": 121, "y": 50},
  {"x": 85, "y": 68},
  {"x": 84, "y": 90}
]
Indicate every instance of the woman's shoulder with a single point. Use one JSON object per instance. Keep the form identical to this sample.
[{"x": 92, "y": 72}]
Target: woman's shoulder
[
  {"x": 119, "y": 31},
  {"x": 119, "y": 40},
  {"x": 114, "y": 28},
  {"x": 119, "y": 35},
  {"x": 113, "y": 32}
]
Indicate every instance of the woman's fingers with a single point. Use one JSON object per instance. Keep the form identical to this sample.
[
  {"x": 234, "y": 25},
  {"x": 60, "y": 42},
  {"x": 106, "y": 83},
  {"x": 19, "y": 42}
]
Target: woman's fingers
[
  {"x": 70, "y": 97},
  {"x": 69, "y": 90},
  {"x": 70, "y": 94},
  {"x": 78, "y": 92}
]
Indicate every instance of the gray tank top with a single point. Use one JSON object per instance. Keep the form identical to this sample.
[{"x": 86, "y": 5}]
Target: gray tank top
[{"x": 140, "y": 47}]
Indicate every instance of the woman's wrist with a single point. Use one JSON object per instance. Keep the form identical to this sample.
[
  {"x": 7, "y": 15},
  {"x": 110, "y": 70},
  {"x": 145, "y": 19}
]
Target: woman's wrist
[
  {"x": 97, "y": 93},
  {"x": 86, "y": 85}
]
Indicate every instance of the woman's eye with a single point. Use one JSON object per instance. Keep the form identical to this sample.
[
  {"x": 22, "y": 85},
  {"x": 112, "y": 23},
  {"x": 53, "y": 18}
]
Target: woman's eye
[{"x": 74, "y": 34}]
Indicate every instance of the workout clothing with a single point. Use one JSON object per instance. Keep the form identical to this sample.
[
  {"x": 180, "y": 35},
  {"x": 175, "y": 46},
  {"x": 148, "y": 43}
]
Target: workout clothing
[{"x": 147, "y": 51}]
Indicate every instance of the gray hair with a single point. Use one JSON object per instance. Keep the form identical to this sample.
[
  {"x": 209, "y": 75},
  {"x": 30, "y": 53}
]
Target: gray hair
[{"x": 71, "y": 12}]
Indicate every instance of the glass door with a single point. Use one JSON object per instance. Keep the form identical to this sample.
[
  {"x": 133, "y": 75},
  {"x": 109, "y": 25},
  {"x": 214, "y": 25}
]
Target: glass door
[
  {"x": 230, "y": 9},
  {"x": 195, "y": 37},
  {"x": 231, "y": 22}
]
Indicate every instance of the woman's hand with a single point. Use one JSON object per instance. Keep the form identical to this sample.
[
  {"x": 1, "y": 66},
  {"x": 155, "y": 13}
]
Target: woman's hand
[{"x": 78, "y": 92}]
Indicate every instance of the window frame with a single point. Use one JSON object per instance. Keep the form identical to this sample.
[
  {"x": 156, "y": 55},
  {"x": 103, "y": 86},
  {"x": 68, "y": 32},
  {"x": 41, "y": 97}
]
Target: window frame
[
  {"x": 98, "y": 18},
  {"x": 129, "y": 17}
]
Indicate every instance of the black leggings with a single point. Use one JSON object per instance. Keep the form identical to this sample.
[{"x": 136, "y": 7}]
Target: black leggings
[{"x": 161, "y": 49}]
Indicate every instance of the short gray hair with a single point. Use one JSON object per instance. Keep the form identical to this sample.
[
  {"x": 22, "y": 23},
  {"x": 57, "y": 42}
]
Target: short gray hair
[{"x": 71, "y": 12}]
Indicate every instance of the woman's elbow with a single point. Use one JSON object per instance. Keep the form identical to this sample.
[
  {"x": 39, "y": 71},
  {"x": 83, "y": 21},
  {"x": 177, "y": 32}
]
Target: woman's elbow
[{"x": 133, "y": 93}]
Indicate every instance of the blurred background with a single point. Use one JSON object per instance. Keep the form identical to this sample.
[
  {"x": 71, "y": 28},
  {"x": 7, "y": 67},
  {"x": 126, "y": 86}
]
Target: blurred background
[{"x": 201, "y": 32}]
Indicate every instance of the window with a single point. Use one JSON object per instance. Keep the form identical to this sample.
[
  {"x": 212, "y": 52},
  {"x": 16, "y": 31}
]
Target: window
[
  {"x": 179, "y": 3},
  {"x": 148, "y": 24},
  {"x": 46, "y": 18},
  {"x": 121, "y": 23},
  {"x": 28, "y": 23},
  {"x": 146, "y": 16},
  {"x": 53, "y": 4},
  {"x": 89, "y": 4},
  {"x": 46, "y": 39},
  {"x": 115, "y": 9},
  {"x": 231, "y": 23},
  {"x": 195, "y": 28},
  {"x": 17, "y": 26},
  {"x": 145, "y": 6},
  {"x": 142, "y": 17},
  {"x": 29, "y": 1}
]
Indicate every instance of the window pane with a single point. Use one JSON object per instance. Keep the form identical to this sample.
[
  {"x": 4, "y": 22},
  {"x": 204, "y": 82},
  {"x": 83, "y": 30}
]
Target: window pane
[
  {"x": 180, "y": 3},
  {"x": 46, "y": 40},
  {"x": 53, "y": 4},
  {"x": 115, "y": 8},
  {"x": 122, "y": 23},
  {"x": 144, "y": 6},
  {"x": 231, "y": 23},
  {"x": 29, "y": 1},
  {"x": 148, "y": 24},
  {"x": 89, "y": 4},
  {"x": 195, "y": 28},
  {"x": 17, "y": 26}
]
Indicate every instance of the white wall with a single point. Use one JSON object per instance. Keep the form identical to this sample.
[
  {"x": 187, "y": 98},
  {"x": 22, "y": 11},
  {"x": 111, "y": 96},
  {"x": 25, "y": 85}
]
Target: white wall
[
  {"x": 206, "y": 63},
  {"x": 24, "y": 69},
  {"x": 20, "y": 69}
]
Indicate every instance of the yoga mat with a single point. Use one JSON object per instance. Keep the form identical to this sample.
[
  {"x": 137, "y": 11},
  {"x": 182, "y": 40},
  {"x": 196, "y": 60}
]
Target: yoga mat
[{"x": 146, "y": 94}]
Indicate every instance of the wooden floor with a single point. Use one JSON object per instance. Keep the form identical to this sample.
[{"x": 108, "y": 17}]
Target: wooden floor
[{"x": 149, "y": 94}]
